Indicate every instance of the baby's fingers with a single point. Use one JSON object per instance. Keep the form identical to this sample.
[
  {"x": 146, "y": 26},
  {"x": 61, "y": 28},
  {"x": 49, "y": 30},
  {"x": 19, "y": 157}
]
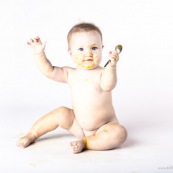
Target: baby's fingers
[
  {"x": 30, "y": 41},
  {"x": 34, "y": 40},
  {"x": 114, "y": 56},
  {"x": 36, "y": 45}
]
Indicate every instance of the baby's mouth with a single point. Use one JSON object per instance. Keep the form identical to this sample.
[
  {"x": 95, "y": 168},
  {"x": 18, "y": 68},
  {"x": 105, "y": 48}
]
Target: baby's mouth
[{"x": 88, "y": 59}]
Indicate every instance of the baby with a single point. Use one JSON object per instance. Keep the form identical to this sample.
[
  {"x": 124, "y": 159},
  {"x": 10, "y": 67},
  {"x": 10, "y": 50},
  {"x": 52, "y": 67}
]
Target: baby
[{"x": 92, "y": 117}]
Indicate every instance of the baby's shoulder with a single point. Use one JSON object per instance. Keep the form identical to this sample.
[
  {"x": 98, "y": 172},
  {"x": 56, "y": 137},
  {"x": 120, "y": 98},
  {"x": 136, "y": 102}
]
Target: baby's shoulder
[
  {"x": 70, "y": 69},
  {"x": 98, "y": 70}
]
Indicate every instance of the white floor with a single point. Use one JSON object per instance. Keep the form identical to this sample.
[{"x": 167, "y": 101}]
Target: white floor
[{"x": 148, "y": 148}]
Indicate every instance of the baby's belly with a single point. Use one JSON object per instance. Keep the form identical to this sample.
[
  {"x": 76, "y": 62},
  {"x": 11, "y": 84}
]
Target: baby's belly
[
  {"x": 92, "y": 107},
  {"x": 91, "y": 118}
]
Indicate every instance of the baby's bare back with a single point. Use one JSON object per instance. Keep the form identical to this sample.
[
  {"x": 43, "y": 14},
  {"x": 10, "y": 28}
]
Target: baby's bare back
[{"x": 91, "y": 105}]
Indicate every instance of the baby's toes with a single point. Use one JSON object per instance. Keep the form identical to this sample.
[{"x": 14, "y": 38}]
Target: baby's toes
[
  {"x": 75, "y": 146},
  {"x": 20, "y": 143},
  {"x": 74, "y": 143},
  {"x": 75, "y": 149},
  {"x": 24, "y": 142}
]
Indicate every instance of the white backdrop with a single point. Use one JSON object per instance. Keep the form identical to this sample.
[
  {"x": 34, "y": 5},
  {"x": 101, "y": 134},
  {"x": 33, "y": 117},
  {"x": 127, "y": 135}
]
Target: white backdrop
[{"x": 143, "y": 27}]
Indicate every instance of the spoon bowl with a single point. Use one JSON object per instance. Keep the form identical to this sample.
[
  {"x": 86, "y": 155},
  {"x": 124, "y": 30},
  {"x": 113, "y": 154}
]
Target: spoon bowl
[{"x": 118, "y": 49}]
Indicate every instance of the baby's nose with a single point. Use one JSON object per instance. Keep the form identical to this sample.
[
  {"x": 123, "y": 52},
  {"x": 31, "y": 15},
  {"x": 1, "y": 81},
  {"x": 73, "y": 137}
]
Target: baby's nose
[{"x": 88, "y": 53}]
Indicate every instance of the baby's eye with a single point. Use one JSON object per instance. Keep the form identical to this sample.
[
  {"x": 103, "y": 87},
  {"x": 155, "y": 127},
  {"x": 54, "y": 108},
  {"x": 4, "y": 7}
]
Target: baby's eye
[
  {"x": 94, "y": 48},
  {"x": 81, "y": 49}
]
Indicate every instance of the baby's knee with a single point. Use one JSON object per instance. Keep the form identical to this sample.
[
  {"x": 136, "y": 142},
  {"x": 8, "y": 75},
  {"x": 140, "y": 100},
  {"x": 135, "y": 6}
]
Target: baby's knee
[
  {"x": 123, "y": 133},
  {"x": 63, "y": 110},
  {"x": 120, "y": 134},
  {"x": 65, "y": 117}
]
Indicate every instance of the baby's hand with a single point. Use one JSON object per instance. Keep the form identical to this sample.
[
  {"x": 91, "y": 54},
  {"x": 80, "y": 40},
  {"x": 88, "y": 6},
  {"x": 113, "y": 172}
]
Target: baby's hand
[
  {"x": 36, "y": 45},
  {"x": 113, "y": 57}
]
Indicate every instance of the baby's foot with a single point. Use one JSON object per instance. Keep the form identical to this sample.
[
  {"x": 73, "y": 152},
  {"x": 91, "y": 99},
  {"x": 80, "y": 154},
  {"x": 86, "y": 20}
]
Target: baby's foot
[
  {"x": 25, "y": 141},
  {"x": 78, "y": 146}
]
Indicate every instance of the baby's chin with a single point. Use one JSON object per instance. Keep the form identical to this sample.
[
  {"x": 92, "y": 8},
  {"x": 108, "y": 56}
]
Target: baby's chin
[{"x": 89, "y": 67}]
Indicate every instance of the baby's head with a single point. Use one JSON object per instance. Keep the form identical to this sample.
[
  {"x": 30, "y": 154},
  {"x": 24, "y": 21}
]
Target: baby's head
[
  {"x": 85, "y": 45},
  {"x": 82, "y": 27}
]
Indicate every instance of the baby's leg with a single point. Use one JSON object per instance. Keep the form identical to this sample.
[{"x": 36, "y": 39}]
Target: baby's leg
[
  {"x": 109, "y": 136},
  {"x": 62, "y": 117}
]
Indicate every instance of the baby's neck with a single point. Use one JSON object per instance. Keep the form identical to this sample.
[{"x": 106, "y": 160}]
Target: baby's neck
[{"x": 82, "y": 70}]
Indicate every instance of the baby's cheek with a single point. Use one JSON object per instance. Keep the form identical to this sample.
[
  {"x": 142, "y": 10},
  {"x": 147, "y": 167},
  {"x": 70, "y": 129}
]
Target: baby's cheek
[
  {"x": 77, "y": 60},
  {"x": 97, "y": 59}
]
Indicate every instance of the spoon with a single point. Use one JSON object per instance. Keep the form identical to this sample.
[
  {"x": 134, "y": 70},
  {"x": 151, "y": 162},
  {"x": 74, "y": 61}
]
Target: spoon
[{"x": 118, "y": 49}]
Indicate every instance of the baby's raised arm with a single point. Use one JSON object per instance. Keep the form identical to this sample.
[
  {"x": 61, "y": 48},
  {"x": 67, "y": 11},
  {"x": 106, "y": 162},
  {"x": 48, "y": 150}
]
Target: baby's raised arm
[
  {"x": 44, "y": 65},
  {"x": 109, "y": 75}
]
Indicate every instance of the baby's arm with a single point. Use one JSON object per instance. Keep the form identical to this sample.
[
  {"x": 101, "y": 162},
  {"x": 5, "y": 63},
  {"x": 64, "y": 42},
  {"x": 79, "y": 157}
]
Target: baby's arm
[
  {"x": 109, "y": 75},
  {"x": 44, "y": 65}
]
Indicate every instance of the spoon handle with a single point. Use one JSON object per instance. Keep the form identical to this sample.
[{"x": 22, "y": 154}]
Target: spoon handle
[{"x": 118, "y": 49}]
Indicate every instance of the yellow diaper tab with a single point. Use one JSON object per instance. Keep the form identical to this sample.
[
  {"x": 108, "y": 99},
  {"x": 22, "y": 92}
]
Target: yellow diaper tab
[{"x": 86, "y": 143}]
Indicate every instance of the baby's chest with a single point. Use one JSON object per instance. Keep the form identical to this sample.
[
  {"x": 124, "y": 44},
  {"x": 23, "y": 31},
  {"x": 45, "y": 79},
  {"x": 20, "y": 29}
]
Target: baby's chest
[{"x": 86, "y": 85}]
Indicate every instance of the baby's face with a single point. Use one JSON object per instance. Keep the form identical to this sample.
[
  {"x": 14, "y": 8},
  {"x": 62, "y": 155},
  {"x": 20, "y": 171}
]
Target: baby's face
[{"x": 86, "y": 49}]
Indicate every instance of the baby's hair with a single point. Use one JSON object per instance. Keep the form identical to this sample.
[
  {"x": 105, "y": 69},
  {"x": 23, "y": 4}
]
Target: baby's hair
[{"x": 83, "y": 27}]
